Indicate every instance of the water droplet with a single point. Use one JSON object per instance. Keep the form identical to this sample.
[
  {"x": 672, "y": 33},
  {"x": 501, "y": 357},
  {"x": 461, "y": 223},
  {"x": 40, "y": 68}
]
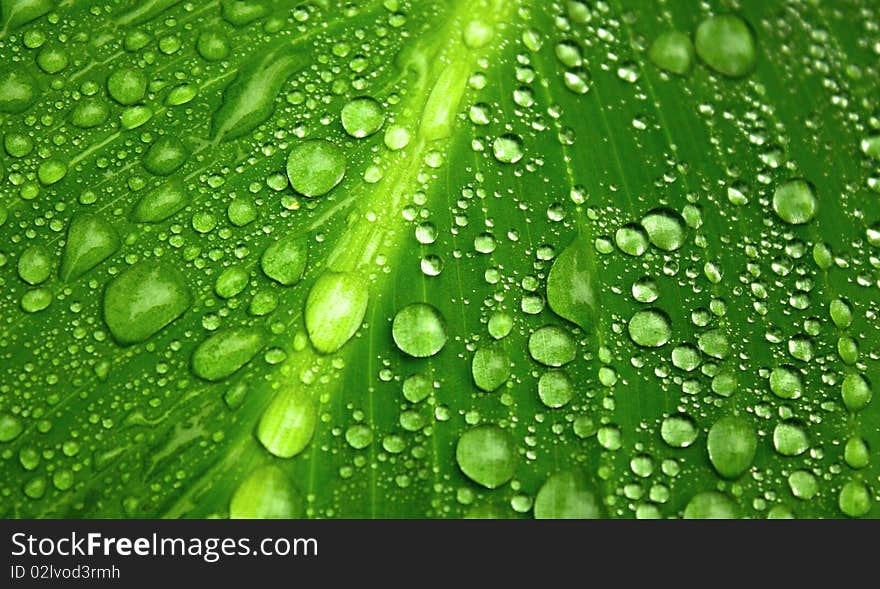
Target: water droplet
[
  {"x": 163, "y": 202},
  {"x": 89, "y": 113},
  {"x": 10, "y": 427},
  {"x": 711, "y": 505},
  {"x": 673, "y": 52},
  {"x": 362, "y": 117},
  {"x": 417, "y": 388},
  {"x": 803, "y": 484},
  {"x": 145, "y": 298},
  {"x": 90, "y": 241},
  {"x": 631, "y": 239},
  {"x": 871, "y": 146},
  {"x": 569, "y": 286},
  {"x": 566, "y": 495},
  {"x": 555, "y": 389},
  {"x": 679, "y": 431},
  {"x": 790, "y": 439},
  {"x": 552, "y": 346},
  {"x": 731, "y": 444},
  {"x": 419, "y": 330},
  {"x": 315, "y": 167},
  {"x": 359, "y": 436},
  {"x": 17, "y": 90},
  {"x": 645, "y": 290},
  {"x": 856, "y": 452},
  {"x": 231, "y": 282},
  {"x": 127, "y": 86},
  {"x": 285, "y": 260},
  {"x": 288, "y": 423},
  {"x": 396, "y": 137},
  {"x": 508, "y": 149},
  {"x": 665, "y": 228},
  {"x": 650, "y": 328},
  {"x": 795, "y": 202},
  {"x": 856, "y": 392},
  {"x": 35, "y": 264},
  {"x": 266, "y": 493},
  {"x": 785, "y": 382},
  {"x": 226, "y": 352},
  {"x": 335, "y": 309},
  {"x": 854, "y": 499},
  {"x": 486, "y": 455},
  {"x": 727, "y": 45},
  {"x": 490, "y": 368},
  {"x": 165, "y": 156}
]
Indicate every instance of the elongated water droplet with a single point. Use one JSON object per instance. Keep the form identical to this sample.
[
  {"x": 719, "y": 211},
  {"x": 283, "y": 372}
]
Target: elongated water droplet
[
  {"x": 226, "y": 352},
  {"x": 35, "y": 264},
  {"x": 161, "y": 203},
  {"x": 288, "y": 423},
  {"x": 569, "y": 285},
  {"x": 731, "y": 444},
  {"x": 335, "y": 309}
]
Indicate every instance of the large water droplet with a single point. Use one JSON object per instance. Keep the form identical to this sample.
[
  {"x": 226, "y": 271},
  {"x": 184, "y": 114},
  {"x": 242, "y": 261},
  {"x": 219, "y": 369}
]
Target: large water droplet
[
  {"x": 731, "y": 444},
  {"x": 419, "y": 330},
  {"x": 711, "y": 505},
  {"x": 35, "y": 264},
  {"x": 672, "y": 51},
  {"x": 569, "y": 287},
  {"x": 490, "y": 368},
  {"x": 225, "y": 352},
  {"x": 162, "y": 202},
  {"x": 288, "y": 423},
  {"x": 856, "y": 392},
  {"x": 315, "y": 167},
  {"x": 486, "y": 455},
  {"x": 127, "y": 86},
  {"x": 362, "y": 117},
  {"x": 144, "y": 299},
  {"x": 508, "y": 149},
  {"x": 335, "y": 309},
  {"x": 727, "y": 45},
  {"x": 552, "y": 345},
  {"x": 285, "y": 260},
  {"x": 165, "y": 156},
  {"x": 665, "y": 228},
  {"x": 795, "y": 202},
  {"x": 566, "y": 495},
  {"x": 267, "y": 493},
  {"x": 555, "y": 389},
  {"x": 90, "y": 241},
  {"x": 650, "y": 328}
]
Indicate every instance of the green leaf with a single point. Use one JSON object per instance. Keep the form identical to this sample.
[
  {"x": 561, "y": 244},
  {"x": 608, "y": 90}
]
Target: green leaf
[{"x": 424, "y": 258}]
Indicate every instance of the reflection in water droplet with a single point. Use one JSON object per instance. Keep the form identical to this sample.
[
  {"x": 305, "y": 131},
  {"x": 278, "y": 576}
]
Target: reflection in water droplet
[{"x": 419, "y": 330}]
